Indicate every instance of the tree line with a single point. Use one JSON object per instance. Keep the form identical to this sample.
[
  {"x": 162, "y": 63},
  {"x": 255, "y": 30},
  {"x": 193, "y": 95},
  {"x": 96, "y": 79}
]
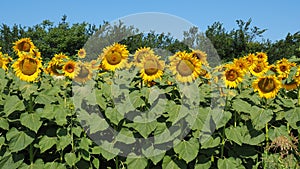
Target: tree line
[{"x": 64, "y": 37}]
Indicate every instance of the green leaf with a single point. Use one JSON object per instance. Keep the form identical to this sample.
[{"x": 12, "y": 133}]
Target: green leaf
[
  {"x": 113, "y": 115},
  {"x": 241, "y": 106},
  {"x": 234, "y": 134},
  {"x": 93, "y": 121},
  {"x": 18, "y": 140},
  {"x": 144, "y": 128},
  {"x": 187, "y": 150},
  {"x": 230, "y": 163},
  {"x": 101, "y": 101},
  {"x": 11, "y": 161},
  {"x": 293, "y": 117},
  {"x": 260, "y": 117},
  {"x": 54, "y": 165},
  {"x": 125, "y": 136},
  {"x": 85, "y": 143},
  {"x": 71, "y": 159},
  {"x": 96, "y": 162},
  {"x": 136, "y": 162},
  {"x": 63, "y": 142},
  {"x": 168, "y": 163},
  {"x": 4, "y": 123},
  {"x": 108, "y": 150},
  {"x": 13, "y": 103},
  {"x": 208, "y": 141},
  {"x": 154, "y": 94},
  {"x": 31, "y": 121},
  {"x": 46, "y": 143},
  {"x": 135, "y": 99},
  {"x": 154, "y": 154}
]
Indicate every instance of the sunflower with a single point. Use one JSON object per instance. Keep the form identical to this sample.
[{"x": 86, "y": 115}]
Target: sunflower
[
  {"x": 27, "y": 67},
  {"x": 185, "y": 67},
  {"x": 241, "y": 63},
  {"x": 290, "y": 86},
  {"x": 297, "y": 76},
  {"x": 23, "y": 45},
  {"x": 232, "y": 76},
  {"x": 114, "y": 57},
  {"x": 283, "y": 68},
  {"x": 267, "y": 86},
  {"x": 4, "y": 60},
  {"x": 201, "y": 56},
  {"x": 261, "y": 56},
  {"x": 250, "y": 59},
  {"x": 81, "y": 53},
  {"x": 85, "y": 72},
  {"x": 55, "y": 66},
  {"x": 69, "y": 69},
  {"x": 36, "y": 53},
  {"x": 152, "y": 68},
  {"x": 259, "y": 68},
  {"x": 141, "y": 53}
]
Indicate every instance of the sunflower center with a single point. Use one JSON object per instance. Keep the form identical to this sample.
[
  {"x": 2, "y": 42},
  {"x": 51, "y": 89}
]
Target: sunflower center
[
  {"x": 185, "y": 68},
  {"x": 283, "y": 68},
  {"x": 28, "y": 66},
  {"x": 84, "y": 72},
  {"x": 258, "y": 68},
  {"x": 24, "y": 46},
  {"x": 266, "y": 85},
  {"x": 70, "y": 68},
  {"x": 114, "y": 59},
  {"x": 231, "y": 75},
  {"x": 151, "y": 67}
]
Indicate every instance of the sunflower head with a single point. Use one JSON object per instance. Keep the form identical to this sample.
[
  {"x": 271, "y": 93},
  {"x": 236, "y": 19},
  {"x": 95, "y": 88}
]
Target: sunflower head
[
  {"x": 297, "y": 76},
  {"x": 283, "y": 68},
  {"x": 267, "y": 86},
  {"x": 81, "y": 53},
  {"x": 114, "y": 57},
  {"x": 250, "y": 58},
  {"x": 185, "y": 67},
  {"x": 4, "y": 61},
  {"x": 202, "y": 56},
  {"x": 84, "y": 73},
  {"x": 69, "y": 69},
  {"x": 261, "y": 56},
  {"x": 232, "y": 76},
  {"x": 259, "y": 68},
  {"x": 27, "y": 67},
  {"x": 241, "y": 63},
  {"x": 152, "y": 68},
  {"x": 141, "y": 53},
  {"x": 23, "y": 45}
]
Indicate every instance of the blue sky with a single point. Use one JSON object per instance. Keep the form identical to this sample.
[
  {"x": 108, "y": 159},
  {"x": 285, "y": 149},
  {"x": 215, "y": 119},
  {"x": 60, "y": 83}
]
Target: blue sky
[{"x": 279, "y": 17}]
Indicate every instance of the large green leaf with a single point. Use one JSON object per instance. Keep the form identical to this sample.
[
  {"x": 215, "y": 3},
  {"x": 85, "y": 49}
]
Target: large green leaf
[
  {"x": 144, "y": 128},
  {"x": 260, "y": 117},
  {"x": 168, "y": 163},
  {"x": 187, "y": 150},
  {"x": 154, "y": 154},
  {"x": 241, "y": 106},
  {"x": 31, "y": 121},
  {"x": 13, "y": 103},
  {"x": 230, "y": 163},
  {"x": 63, "y": 142},
  {"x": 18, "y": 140},
  {"x": 4, "y": 123},
  {"x": 54, "y": 165},
  {"x": 136, "y": 162},
  {"x": 71, "y": 159},
  {"x": 114, "y": 115},
  {"x": 108, "y": 150},
  {"x": 46, "y": 143},
  {"x": 293, "y": 117},
  {"x": 11, "y": 161}
]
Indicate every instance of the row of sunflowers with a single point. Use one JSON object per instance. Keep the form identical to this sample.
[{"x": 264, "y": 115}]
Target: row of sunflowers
[{"x": 185, "y": 67}]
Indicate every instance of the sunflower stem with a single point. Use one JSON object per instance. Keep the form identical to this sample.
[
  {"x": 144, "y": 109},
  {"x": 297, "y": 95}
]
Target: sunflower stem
[
  {"x": 267, "y": 133},
  {"x": 31, "y": 156}
]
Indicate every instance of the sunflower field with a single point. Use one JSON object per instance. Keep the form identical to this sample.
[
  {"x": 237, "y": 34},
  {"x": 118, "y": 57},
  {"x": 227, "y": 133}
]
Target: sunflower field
[{"x": 143, "y": 110}]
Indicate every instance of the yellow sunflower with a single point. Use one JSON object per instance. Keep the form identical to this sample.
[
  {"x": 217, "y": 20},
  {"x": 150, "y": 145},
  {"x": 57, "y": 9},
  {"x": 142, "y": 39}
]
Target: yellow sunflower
[
  {"x": 259, "y": 68},
  {"x": 152, "y": 68},
  {"x": 23, "y": 45},
  {"x": 27, "y": 68},
  {"x": 290, "y": 86},
  {"x": 141, "y": 53},
  {"x": 185, "y": 67},
  {"x": 114, "y": 57},
  {"x": 55, "y": 66},
  {"x": 85, "y": 72},
  {"x": 36, "y": 53},
  {"x": 202, "y": 56},
  {"x": 283, "y": 68},
  {"x": 267, "y": 86},
  {"x": 261, "y": 56},
  {"x": 4, "y": 61},
  {"x": 297, "y": 76},
  {"x": 232, "y": 76},
  {"x": 241, "y": 63},
  {"x": 81, "y": 53},
  {"x": 250, "y": 59},
  {"x": 70, "y": 69}
]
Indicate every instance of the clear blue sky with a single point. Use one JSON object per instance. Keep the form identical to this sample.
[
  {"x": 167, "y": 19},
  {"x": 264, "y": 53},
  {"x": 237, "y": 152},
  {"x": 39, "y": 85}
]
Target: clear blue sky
[{"x": 279, "y": 17}]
